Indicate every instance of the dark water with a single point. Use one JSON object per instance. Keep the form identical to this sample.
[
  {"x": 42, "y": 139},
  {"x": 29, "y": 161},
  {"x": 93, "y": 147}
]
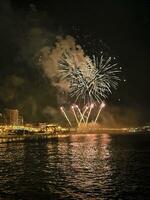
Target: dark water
[{"x": 77, "y": 167}]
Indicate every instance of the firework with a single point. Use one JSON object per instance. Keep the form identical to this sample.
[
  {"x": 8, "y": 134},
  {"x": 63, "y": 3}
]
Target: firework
[
  {"x": 83, "y": 115},
  {"x": 80, "y": 113},
  {"x": 89, "y": 80},
  {"x": 75, "y": 115},
  {"x": 64, "y": 113},
  {"x": 91, "y": 107},
  {"x": 99, "y": 111}
]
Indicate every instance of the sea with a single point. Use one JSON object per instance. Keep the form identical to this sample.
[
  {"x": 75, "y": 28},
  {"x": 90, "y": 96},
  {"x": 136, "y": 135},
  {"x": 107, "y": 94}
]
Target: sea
[{"x": 77, "y": 167}]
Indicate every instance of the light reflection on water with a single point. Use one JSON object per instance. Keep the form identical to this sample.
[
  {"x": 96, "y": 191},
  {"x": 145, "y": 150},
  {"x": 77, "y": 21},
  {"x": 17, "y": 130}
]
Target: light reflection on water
[{"x": 86, "y": 166}]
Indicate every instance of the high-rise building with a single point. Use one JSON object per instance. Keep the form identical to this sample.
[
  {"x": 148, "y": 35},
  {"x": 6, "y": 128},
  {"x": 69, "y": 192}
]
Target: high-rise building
[{"x": 11, "y": 116}]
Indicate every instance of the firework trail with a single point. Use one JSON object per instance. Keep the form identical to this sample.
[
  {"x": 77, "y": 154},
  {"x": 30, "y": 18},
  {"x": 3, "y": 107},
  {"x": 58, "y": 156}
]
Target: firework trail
[
  {"x": 79, "y": 111},
  {"x": 64, "y": 113},
  {"x": 91, "y": 107},
  {"x": 89, "y": 80},
  {"x": 99, "y": 111},
  {"x": 83, "y": 115},
  {"x": 75, "y": 114}
]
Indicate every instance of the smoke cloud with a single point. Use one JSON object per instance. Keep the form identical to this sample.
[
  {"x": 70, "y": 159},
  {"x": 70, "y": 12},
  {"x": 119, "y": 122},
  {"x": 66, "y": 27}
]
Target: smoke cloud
[
  {"x": 116, "y": 116},
  {"x": 23, "y": 85},
  {"x": 49, "y": 59}
]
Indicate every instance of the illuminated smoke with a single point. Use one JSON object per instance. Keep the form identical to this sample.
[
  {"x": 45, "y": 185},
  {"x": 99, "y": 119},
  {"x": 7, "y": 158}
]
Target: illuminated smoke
[
  {"x": 70, "y": 70},
  {"x": 49, "y": 59}
]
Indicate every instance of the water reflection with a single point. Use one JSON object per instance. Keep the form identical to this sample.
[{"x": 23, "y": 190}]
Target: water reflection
[
  {"x": 85, "y": 166},
  {"x": 82, "y": 162},
  {"x": 11, "y": 163}
]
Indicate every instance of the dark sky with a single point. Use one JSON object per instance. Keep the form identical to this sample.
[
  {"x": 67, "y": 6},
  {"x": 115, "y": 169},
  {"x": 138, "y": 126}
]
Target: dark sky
[{"x": 124, "y": 26}]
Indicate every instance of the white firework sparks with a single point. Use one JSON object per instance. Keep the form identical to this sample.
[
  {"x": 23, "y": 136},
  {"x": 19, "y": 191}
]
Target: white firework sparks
[{"x": 89, "y": 80}]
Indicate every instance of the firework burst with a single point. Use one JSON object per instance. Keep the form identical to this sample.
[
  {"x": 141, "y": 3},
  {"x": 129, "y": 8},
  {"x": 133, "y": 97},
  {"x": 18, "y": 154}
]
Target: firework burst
[{"x": 89, "y": 80}]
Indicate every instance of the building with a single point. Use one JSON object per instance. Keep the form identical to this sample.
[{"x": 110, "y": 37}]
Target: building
[{"x": 11, "y": 116}]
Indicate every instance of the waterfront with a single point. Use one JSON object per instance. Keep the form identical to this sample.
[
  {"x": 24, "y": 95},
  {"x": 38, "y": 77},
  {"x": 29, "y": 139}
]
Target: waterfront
[{"x": 78, "y": 166}]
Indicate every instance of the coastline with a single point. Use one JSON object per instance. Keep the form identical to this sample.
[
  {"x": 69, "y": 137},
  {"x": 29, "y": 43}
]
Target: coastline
[{"x": 6, "y": 138}]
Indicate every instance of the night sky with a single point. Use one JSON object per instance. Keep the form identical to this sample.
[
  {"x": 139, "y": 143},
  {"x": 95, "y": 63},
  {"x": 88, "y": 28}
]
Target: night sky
[{"x": 123, "y": 26}]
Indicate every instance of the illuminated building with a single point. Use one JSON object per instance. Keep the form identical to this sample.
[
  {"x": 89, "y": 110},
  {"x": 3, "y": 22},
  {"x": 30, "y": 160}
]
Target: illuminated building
[{"x": 11, "y": 116}]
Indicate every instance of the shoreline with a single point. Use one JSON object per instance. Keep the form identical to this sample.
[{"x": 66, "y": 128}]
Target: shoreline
[{"x": 6, "y": 138}]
